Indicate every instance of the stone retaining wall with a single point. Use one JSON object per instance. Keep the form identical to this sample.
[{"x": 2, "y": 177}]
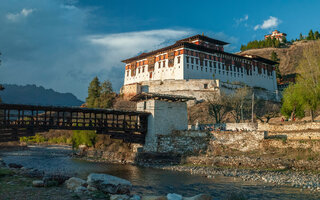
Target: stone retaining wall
[
  {"x": 183, "y": 142},
  {"x": 299, "y": 135},
  {"x": 241, "y": 141},
  {"x": 289, "y": 127}
]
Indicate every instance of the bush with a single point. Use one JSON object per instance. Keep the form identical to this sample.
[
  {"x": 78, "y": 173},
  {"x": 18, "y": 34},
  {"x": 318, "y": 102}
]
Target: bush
[
  {"x": 87, "y": 138},
  {"x": 33, "y": 139}
]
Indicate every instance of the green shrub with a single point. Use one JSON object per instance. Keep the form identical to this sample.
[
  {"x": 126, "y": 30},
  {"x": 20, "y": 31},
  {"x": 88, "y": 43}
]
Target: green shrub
[
  {"x": 33, "y": 139},
  {"x": 87, "y": 138}
]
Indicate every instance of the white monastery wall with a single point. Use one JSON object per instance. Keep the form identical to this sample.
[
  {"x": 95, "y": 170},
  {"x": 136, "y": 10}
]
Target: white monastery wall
[{"x": 187, "y": 67}]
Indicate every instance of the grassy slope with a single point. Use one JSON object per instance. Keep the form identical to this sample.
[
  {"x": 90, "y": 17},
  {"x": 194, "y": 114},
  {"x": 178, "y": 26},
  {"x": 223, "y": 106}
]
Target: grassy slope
[{"x": 289, "y": 57}]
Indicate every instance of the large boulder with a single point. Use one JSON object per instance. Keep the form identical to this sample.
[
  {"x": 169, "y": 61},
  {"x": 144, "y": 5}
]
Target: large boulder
[
  {"x": 37, "y": 183},
  {"x": 74, "y": 182},
  {"x": 109, "y": 184},
  {"x": 174, "y": 196}
]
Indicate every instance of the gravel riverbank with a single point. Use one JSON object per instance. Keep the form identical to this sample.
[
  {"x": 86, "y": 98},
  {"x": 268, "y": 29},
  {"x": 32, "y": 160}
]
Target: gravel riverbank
[{"x": 303, "y": 180}]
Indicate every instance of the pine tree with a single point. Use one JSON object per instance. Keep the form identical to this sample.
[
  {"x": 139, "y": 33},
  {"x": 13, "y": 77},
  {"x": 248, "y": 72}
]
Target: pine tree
[
  {"x": 310, "y": 35},
  {"x": 301, "y": 37},
  {"x": 107, "y": 95},
  {"x": 284, "y": 39},
  {"x": 93, "y": 93},
  {"x": 316, "y": 35}
]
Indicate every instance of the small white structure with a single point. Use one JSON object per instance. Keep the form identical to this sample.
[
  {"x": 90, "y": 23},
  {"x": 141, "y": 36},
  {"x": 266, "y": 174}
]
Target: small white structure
[{"x": 168, "y": 113}]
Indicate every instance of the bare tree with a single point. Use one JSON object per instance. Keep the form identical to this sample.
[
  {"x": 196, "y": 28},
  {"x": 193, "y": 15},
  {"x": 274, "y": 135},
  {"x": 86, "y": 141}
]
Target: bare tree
[
  {"x": 218, "y": 106},
  {"x": 266, "y": 110},
  {"x": 240, "y": 102}
]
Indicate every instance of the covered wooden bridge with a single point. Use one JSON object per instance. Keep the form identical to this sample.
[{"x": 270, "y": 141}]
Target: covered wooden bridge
[{"x": 24, "y": 120}]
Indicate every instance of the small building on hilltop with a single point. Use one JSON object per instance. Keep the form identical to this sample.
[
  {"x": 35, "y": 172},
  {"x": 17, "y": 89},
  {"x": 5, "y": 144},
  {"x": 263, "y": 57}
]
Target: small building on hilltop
[
  {"x": 276, "y": 34},
  {"x": 195, "y": 66}
]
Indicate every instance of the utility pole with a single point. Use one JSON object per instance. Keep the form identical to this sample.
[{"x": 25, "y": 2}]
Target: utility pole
[{"x": 252, "y": 107}]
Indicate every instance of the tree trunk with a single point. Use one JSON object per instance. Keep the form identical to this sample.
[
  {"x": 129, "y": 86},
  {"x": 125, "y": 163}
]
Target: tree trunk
[{"x": 312, "y": 115}]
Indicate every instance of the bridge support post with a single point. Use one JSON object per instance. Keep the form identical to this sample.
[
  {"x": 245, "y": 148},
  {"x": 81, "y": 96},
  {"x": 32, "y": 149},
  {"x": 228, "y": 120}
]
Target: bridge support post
[{"x": 166, "y": 116}]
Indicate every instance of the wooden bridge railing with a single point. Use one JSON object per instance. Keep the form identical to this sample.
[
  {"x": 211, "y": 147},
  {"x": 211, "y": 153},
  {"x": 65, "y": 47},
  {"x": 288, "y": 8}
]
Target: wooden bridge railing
[{"x": 72, "y": 118}]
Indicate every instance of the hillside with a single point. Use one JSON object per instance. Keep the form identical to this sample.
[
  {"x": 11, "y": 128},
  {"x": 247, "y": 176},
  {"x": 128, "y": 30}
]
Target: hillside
[
  {"x": 34, "y": 95},
  {"x": 289, "y": 57}
]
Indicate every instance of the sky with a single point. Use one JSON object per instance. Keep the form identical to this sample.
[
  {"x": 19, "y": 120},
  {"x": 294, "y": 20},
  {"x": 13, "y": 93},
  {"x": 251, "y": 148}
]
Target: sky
[{"x": 64, "y": 44}]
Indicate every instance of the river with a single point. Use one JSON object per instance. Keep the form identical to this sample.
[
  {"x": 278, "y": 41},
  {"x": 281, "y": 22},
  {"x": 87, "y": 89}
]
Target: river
[{"x": 150, "y": 181}]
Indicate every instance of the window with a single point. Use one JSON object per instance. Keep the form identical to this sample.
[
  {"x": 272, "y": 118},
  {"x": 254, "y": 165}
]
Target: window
[
  {"x": 179, "y": 59},
  {"x": 205, "y": 86},
  {"x": 218, "y": 65},
  {"x": 197, "y": 60},
  {"x": 215, "y": 64},
  {"x": 187, "y": 59},
  {"x": 192, "y": 67},
  {"x": 206, "y": 69},
  {"x": 187, "y": 66},
  {"x": 201, "y": 68},
  {"x": 159, "y": 65},
  {"x": 164, "y": 64},
  {"x": 192, "y": 60},
  {"x": 128, "y": 73},
  {"x": 143, "y": 69},
  {"x": 205, "y": 63},
  {"x": 197, "y": 67},
  {"x": 210, "y": 63}
]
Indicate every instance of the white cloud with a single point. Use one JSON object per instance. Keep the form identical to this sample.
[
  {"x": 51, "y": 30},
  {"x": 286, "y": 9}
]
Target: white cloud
[
  {"x": 272, "y": 22},
  {"x": 17, "y": 16},
  {"x": 243, "y": 19}
]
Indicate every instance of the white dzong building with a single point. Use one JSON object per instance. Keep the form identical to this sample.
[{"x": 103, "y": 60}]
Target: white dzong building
[{"x": 198, "y": 58}]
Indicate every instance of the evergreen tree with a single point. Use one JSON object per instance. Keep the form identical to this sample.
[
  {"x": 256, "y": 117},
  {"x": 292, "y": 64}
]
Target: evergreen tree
[
  {"x": 107, "y": 95},
  {"x": 310, "y": 35},
  {"x": 301, "y": 37},
  {"x": 316, "y": 35},
  {"x": 93, "y": 93},
  {"x": 100, "y": 95},
  {"x": 284, "y": 39}
]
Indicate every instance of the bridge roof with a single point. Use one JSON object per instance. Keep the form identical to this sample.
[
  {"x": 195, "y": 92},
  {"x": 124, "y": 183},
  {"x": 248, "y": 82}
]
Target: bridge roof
[
  {"x": 68, "y": 109},
  {"x": 164, "y": 97}
]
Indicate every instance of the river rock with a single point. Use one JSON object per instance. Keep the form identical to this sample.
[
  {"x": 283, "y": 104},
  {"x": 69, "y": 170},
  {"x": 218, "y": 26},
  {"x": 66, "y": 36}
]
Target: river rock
[
  {"x": 153, "y": 198},
  {"x": 174, "y": 196},
  {"x": 91, "y": 188},
  {"x": 14, "y": 165},
  {"x": 109, "y": 184},
  {"x": 119, "y": 197},
  {"x": 37, "y": 183},
  {"x": 74, "y": 182},
  {"x": 135, "y": 197},
  {"x": 80, "y": 189},
  {"x": 49, "y": 179},
  {"x": 199, "y": 197}
]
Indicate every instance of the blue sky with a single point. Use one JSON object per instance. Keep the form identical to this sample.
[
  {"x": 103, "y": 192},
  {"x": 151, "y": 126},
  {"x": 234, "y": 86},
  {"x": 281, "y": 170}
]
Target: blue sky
[{"x": 63, "y": 44}]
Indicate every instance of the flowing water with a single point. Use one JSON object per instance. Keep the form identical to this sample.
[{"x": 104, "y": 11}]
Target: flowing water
[{"x": 149, "y": 181}]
